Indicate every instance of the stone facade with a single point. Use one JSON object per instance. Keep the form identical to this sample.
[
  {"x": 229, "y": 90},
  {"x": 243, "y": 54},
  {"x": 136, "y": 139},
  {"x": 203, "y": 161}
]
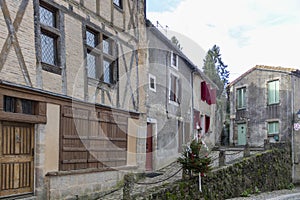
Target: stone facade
[
  {"x": 24, "y": 74},
  {"x": 257, "y": 113},
  {"x": 172, "y": 120}
]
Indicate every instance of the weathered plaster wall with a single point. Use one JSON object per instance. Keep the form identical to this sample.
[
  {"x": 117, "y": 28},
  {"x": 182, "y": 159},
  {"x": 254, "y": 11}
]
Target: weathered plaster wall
[
  {"x": 257, "y": 112},
  {"x": 166, "y": 113}
]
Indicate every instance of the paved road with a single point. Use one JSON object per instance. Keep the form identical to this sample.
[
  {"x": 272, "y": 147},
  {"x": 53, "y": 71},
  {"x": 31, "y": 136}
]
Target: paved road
[{"x": 275, "y": 195}]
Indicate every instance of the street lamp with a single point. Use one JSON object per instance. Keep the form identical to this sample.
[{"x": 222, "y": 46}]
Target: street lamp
[{"x": 298, "y": 114}]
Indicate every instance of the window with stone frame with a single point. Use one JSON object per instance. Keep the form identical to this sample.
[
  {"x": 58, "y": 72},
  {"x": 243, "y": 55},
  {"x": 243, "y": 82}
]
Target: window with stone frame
[
  {"x": 118, "y": 3},
  {"x": 273, "y": 92},
  {"x": 174, "y": 60},
  {"x": 174, "y": 89},
  {"x": 241, "y": 98},
  {"x": 273, "y": 128},
  {"x": 101, "y": 61},
  {"x": 49, "y": 38}
]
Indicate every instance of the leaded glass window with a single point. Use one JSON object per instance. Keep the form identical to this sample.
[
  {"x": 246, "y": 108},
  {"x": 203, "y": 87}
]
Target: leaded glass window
[
  {"x": 48, "y": 49},
  {"x": 50, "y": 39},
  {"x": 273, "y": 92},
  {"x": 47, "y": 17},
  {"x": 107, "y": 47},
  {"x": 106, "y": 71},
  {"x": 100, "y": 58},
  {"x": 91, "y": 39},
  {"x": 91, "y": 65}
]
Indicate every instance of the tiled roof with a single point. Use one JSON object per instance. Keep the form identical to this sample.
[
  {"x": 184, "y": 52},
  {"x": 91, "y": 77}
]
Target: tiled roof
[
  {"x": 274, "y": 68},
  {"x": 262, "y": 67}
]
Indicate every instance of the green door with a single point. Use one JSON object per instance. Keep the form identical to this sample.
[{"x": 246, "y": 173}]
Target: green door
[{"x": 242, "y": 134}]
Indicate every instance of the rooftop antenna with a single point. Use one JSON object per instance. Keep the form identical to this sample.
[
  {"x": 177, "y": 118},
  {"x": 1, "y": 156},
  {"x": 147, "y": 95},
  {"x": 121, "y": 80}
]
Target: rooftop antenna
[{"x": 165, "y": 29}]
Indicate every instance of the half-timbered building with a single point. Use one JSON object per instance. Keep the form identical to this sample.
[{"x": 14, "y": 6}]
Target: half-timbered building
[{"x": 70, "y": 101}]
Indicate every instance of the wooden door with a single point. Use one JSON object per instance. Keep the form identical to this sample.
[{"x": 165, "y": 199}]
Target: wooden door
[
  {"x": 149, "y": 148},
  {"x": 242, "y": 134},
  {"x": 16, "y": 158}
]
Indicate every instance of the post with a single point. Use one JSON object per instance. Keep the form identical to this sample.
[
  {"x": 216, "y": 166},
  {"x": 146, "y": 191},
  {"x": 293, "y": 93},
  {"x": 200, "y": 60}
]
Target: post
[
  {"x": 128, "y": 186},
  {"x": 266, "y": 144},
  {"x": 247, "y": 150},
  {"x": 222, "y": 158}
]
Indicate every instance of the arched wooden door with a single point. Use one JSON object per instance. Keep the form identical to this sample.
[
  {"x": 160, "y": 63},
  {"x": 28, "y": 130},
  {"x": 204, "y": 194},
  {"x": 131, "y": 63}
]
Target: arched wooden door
[{"x": 16, "y": 158}]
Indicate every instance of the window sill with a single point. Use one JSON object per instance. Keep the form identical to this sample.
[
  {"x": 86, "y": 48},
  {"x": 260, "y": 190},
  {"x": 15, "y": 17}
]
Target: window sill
[
  {"x": 119, "y": 8},
  {"x": 273, "y": 104},
  {"x": 173, "y": 103},
  {"x": 51, "y": 68},
  {"x": 174, "y": 67},
  {"x": 241, "y": 109},
  {"x": 100, "y": 84}
]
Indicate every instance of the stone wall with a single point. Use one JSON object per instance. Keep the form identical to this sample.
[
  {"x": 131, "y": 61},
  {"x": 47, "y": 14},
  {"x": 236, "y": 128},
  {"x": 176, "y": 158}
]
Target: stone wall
[{"x": 267, "y": 171}]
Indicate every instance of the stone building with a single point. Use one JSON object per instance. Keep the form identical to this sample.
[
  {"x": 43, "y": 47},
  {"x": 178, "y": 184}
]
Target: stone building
[
  {"x": 261, "y": 106},
  {"x": 173, "y": 86},
  {"x": 264, "y": 105},
  {"x": 71, "y": 105}
]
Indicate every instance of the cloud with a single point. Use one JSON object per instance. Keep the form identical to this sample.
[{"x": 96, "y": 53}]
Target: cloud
[
  {"x": 248, "y": 32},
  {"x": 162, "y": 6}
]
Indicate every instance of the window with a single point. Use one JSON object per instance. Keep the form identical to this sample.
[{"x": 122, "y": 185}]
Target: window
[
  {"x": 273, "y": 92},
  {"x": 100, "y": 57},
  {"x": 174, "y": 89},
  {"x": 174, "y": 60},
  {"x": 50, "y": 36},
  {"x": 152, "y": 82},
  {"x": 118, "y": 3},
  {"x": 16, "y": 105},
  {"x": 273, "y": 128},
  {"x": 241, "y": 98}
]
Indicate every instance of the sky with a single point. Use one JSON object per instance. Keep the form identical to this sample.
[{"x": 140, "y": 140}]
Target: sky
[{"x": 248, "y": 32}]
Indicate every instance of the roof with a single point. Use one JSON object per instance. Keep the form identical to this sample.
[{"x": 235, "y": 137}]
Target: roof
[
  {"x": 169, "y": 43},
  {"x": 265, "y": 68}
]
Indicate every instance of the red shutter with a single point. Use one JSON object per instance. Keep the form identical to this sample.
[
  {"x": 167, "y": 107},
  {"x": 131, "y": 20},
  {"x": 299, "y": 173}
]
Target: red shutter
[
  {"x": 208, "y": 97},
  {"x": 207, "y": 123},
  {"x": 203, "y": 91},
  {"x": 196, "y": 118},
  {"x": 213, "y": 95}
]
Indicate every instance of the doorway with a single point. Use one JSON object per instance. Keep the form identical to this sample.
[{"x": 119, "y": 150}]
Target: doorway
[
  {"x": 16, "y": 158},
  {"x": 149, "y": 147}
]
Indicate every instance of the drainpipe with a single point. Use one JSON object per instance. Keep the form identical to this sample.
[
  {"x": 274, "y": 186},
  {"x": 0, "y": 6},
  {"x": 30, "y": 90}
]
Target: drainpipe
[
  {"x": 293, "y": 121},
  {"x": 167, "y": 84},
  {"x": 192, "y": 110}
]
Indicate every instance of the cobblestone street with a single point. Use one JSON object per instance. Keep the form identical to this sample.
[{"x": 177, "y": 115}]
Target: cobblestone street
[{"x": 173, "y": 171}]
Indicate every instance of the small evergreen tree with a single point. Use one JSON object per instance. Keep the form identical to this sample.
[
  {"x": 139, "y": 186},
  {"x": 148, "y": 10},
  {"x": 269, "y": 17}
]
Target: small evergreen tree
[{"x": 195, "y": 159}]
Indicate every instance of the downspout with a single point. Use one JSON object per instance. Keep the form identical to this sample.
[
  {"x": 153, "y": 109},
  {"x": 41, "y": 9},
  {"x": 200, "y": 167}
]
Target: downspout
[
  {"x": 192, "y": 109},
  {"x": 167, "y": 85},
  {"x": 293, "y": 121}
]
